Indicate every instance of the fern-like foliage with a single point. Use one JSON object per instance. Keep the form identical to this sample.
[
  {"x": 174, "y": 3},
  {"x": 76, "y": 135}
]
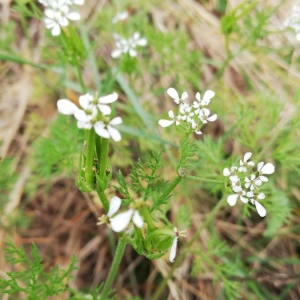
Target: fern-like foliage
[
  {"x": 30, "y": 279},
  {"x": 188, "y": 150}
]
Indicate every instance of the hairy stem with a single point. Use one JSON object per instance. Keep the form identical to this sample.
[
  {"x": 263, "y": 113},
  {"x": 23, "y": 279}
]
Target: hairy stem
[{"x": 114, "y": 267}]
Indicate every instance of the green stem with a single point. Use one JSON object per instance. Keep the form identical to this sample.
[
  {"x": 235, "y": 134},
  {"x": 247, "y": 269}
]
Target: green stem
[
  {"x": 103, "y": 158},
  {"x": 183, "y": 253},
  {"x": 171, "y": 187},
  {"x": 90, "y": 152},
  {"x": 103, "y": 199},
  {"x": 147, "y": 217},
  {"x": 98, "y": 150},
  {"x": 80, "y": 77},
  {"x": 114, "y": 267},
  {"x": 203, "y": 179}
]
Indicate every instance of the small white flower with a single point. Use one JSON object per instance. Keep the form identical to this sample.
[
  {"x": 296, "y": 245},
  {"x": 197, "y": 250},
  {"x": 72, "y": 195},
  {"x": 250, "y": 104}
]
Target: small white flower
[
  {"x": 102, "y": 101},
  {"x": 57, "y": 15},
  {"x": 200, "y": 103},
  {"x": 239, "y": 194},
  {"x": 106, "y": 129},
  {"x": 127, "y": 46},
  {"x": 174, "y": 119},
  {"x": 204, "y": 116},
  {"x": 231, "y": 173},
  {"x": 187, "y": 113},
  {"x": 120, "y": 17},
  {"x": 89, "y": 111},
  {"x": 263, "y": 168},
  {"x": 121, "y": 221},
  {"x": 254, "y": 200},
  {"x": 253, "y": 182},
  {"x": 245, "y": 163},
  {"x": 114, "y": 206},
  {"x": 174, "y": 243},
  {"x": 174, "y": 95}
]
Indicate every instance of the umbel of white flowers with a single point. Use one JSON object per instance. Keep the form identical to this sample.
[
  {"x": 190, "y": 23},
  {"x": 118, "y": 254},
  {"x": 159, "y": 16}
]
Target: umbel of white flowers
[
  {"x": 194, "y": 115},
  {"x": 58, "y": 14},
  {"x": 127, "y": 45},
  {"x": 93, "y": 113},
  {"x": 119, "y": 222},
  {"x": 245, "y": 182}
]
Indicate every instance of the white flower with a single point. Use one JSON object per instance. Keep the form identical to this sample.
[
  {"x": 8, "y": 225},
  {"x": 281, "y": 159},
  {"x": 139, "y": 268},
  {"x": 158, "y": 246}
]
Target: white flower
[
  {"x": 127, "y": 46},
  {"x": 174, "y": 95},
  {"x": 200, "y": 103},
  {"x": 244, "y": 163},
  {"x": 57, "y": 15},
  {"x": 114, "y": 205},
  {"x": 89, "y": 111},
  {"x": 263, "y": 168},
  {"x": 120, "y": 17},
  {"x": 253, "y": 182},
  {"x": 239, "y": 194},
  {"x": 231, "y": 173},
  {"x": 204, "y": 116},
  {"x": 294, "y": 21},
  {"x": 106, "y": 129},
  {"x": 254, "y": 200},
  {"x": 173, "y": 249},
  {"x": 102, "y": 101},
  {"x": 166, "y": 123},
  {"x": 121, "y": 221},
  {"x": 187, "y": 113}
]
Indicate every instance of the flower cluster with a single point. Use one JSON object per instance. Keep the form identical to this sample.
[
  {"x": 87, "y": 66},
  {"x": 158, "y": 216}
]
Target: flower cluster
[
  {"x": 58, "y": 14},
  {"x": 120, "y": 221},
  {"x": 94, "y": 113},
  {"x": 127, "y": 45},
  {"x": 294, "y": 21},
  {"x": 245, "y": 182},
  {"x": 195, "y": 115}
]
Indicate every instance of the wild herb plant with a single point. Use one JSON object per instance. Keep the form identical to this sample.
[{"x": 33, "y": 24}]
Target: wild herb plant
[{"x": 138, "y": 210}]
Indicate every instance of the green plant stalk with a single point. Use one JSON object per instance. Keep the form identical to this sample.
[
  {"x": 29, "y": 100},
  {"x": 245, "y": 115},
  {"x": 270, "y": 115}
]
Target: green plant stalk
[
  {"x": 79, "y": 73},
  {"x": 147, "y": 217},
  {"x": 103, "y": 159},
  {"x": 203, "y": 179},
  {"x": 171, "y": 187},
  {"x": 90, "y": 153},
  {"x": 103, "y": 199},
  {"x": 114, "y": 267},
  {"x": 183, "y": 253},
  {"x": 98, "y": 141}
]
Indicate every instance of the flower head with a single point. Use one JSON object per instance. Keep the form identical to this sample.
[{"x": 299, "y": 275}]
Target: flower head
[
  {"x": 174, "y": 119},
  {"x": 254, "y": 199},
  {"x": 264, "y": 169},
  {"x": 175, "y": 96},
  {"x": 244, "y": 163},
  {"x": 106, "y": 129},
  {"x": 123, "y": 15}
]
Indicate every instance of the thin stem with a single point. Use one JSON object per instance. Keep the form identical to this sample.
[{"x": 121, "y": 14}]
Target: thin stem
[
  {"x": 103, "y": 199},
  {"x": 171, "y": 187},
  {"x": 103, "y": 158},
  {"x": 90, "y": 152},
  {"x": 183, "y": 253},
  {"x": 114, "y": 267},
  {"x": 147, "y": 217},
  {"x": 79, "y": 73},
  {"x": 203, "y": 179}
]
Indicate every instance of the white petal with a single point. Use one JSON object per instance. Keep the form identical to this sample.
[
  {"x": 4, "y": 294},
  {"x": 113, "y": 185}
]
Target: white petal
[
  {"x": 171, "y": 114},
  {"x": 116, "y": 53},
  {"x": 198, "y": 96},
  {"x": 73, "y": 16},
  {"x": 105, "y": 109},
  {"x": 207, "y": 96},
  {"x": 261, "y": 196},
  {"x": 116, "y": 121},
  {"x": 267, "y": 169},
  {"x": 132, "y": 52},
  {"x": 108, "y": 99},
  {"x": 247, "y": 156},
  {"x": 85, "y": 125},
  {"x": 184, "y": 95},
  {"x": 55, "y": 30},
  {"x": 66, "y": 107},
  {"x": 231, "y": 199},
  {"x": 121, "y": 221},
  {"x": 100, "y": 130},
  {"x": 259, "y": 166},
  {"x": 243, "y": 199},
  {"x": 85, "y": 100},
  {"x": 141, "y": 42},
  {"x": 80, "y": 115},
  {"x": 173, "y": 249},
  {"x": 226, "y": 172},
  {"x": 165, "y": 123},
  {"x": 172, "y": 93},
  {"x": 260, "y": 209},
  {"x": 114, "y": 205},
  {"x": 263, "y": 178},
  {"x": 114, "y": 133},
  {"x": 250, "y": 194},
  {"x": 49, "y": 13},
  {"x": 78, "y": 2},
  {"x": 137, "y": 219},
  {"x": 212, "y": 118}
]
